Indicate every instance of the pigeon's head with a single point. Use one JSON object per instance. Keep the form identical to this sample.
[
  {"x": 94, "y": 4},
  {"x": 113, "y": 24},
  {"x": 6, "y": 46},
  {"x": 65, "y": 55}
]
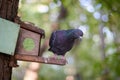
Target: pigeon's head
[{"x": 77, "y": 34}]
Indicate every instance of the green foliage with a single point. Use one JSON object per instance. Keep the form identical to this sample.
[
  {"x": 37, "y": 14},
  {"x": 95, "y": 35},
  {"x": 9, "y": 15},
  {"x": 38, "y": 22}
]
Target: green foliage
[
  {"x": 113, "y": 65},
  {"x": 51, "y": 73},
  {"x": 112, "y": 5},
  {"x": 87, "y": 57},
  {"x": 28, "y": 44}
]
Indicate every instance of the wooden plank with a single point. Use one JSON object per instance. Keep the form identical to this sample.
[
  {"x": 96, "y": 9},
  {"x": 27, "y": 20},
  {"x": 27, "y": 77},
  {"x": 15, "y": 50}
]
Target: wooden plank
[
  {"x": 30, "y": 26},
  {"x": 8, "y": 36},
  {"x": 40, "y": 59}
]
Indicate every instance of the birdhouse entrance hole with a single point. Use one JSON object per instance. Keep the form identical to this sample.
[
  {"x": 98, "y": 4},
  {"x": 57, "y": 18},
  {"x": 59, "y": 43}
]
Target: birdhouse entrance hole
[{"x": 28, "y": 44}]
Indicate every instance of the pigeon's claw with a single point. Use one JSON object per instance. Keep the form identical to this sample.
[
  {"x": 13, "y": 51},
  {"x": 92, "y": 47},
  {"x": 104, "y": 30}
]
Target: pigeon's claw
[
  {"x": 55, "y": 56},
  {"x": 59, "y": 58},
  {"x": 63, "y": 58}
]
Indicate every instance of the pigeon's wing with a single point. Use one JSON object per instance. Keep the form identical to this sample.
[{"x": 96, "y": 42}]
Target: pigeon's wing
[{"x": 52, "y": 39}]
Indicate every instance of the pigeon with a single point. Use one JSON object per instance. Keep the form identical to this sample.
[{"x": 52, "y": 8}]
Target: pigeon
[{"x": 62, "y": 41}]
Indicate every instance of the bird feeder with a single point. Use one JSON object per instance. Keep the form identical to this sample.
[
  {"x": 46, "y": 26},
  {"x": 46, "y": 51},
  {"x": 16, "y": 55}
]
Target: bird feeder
[{"x": 30, "y": 31}]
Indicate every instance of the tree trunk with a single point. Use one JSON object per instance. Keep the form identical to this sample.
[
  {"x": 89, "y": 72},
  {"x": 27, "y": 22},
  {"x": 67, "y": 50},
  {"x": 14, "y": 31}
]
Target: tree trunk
[
  {"x": 105, "y": 72},
  {"x": 8, "y": 10},
  {"x": 102, "y": 44}
]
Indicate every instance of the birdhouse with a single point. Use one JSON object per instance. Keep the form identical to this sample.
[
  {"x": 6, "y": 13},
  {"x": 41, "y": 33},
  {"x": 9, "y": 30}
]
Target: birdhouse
[
  {"x": 29, "y": 32},
  {"x": 8, "y": 36}
]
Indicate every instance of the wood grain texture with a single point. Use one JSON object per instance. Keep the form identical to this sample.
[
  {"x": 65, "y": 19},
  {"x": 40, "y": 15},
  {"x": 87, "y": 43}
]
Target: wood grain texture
[
  {"x": 27, "y": 34},
  {"x": 8, "y": 10},
  {"x": 30, "y": 26},
  {"x": 40, "y": 59}
]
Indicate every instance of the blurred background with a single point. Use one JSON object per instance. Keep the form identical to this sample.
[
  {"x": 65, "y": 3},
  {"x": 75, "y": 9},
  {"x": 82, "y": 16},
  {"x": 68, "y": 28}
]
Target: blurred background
[{"x": 96, "y": 57}]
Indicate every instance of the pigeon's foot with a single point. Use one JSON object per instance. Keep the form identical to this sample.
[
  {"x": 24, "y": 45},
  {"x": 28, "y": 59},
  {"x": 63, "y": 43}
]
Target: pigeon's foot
[
  {"x": 55, "y": 56},
  {"x": 63, "y": 58}
]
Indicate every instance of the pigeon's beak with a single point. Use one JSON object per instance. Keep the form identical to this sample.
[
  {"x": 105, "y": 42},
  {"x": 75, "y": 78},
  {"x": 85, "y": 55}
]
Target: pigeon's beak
[{"x": 80, "y": 38}]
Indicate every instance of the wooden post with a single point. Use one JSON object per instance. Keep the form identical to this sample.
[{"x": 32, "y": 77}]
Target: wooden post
[{"x": 8, "y": 10}]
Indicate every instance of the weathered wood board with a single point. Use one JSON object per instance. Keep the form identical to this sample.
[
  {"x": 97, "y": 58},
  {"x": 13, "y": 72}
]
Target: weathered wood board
[{"x": 8, "y": 36}]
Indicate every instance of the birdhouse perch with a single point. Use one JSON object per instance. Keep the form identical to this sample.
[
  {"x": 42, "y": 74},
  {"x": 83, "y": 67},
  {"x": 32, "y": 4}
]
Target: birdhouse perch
[{"x": 29, "y": 30}]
